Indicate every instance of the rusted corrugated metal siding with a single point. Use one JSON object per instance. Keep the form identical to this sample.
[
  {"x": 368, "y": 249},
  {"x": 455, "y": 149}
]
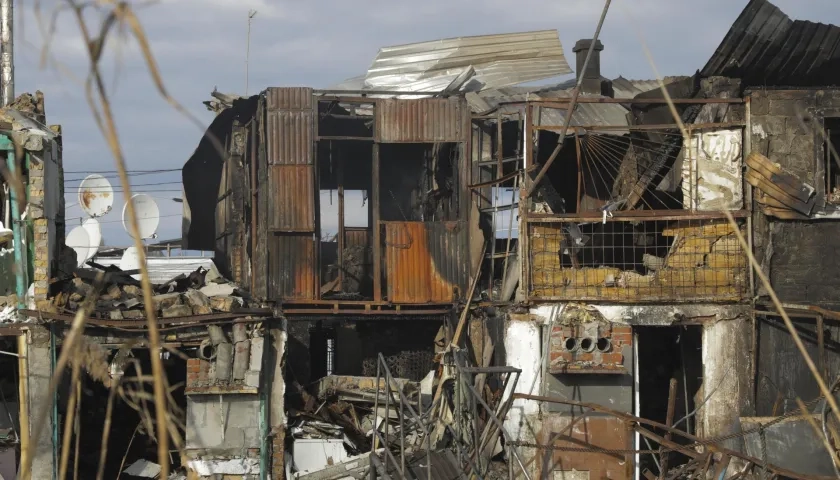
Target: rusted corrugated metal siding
[
  {"x": 290, "y": 137},
  {"x": 292, "y": 272},
  {"x": 425, "y": 262},
  {"x": 423, "y": 120},
  {"x": 354, "y": 236},
  {"x": 289, "y": 131},
  {"x": 292, "y": 204},
  {"x": 289, "y": 98}
]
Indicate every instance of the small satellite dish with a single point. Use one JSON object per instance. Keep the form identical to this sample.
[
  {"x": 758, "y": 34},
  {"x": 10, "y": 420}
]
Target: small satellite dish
[
  {"x": 91, "y": 225},
  {"x": 130, "y": 261},
  {"x": 148, "y": 215},
  {"x": 79, "y": 240},
  {"x": 96, "y": 196}
]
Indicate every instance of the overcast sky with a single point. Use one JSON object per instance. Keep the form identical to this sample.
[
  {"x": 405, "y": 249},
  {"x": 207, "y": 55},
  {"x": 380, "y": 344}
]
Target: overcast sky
[{"x": 201, "y": 44}]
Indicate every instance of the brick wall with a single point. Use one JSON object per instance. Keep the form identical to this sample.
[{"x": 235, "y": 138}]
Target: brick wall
[
  {"x": 564, "y": 360},
  {"x": 278, "y": 460}
]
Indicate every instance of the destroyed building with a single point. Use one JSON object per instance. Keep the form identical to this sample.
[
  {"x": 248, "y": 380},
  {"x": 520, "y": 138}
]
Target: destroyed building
[{"x": 540, "y": 282}]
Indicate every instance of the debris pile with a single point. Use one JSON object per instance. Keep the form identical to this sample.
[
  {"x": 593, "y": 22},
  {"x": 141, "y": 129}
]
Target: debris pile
[
  {"x": 340, "y": 416},
  {"x": 119, "y": 294}
]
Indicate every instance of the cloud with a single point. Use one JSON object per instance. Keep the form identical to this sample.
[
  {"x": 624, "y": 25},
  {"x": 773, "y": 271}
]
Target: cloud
[{"x": 201, "y": 44}]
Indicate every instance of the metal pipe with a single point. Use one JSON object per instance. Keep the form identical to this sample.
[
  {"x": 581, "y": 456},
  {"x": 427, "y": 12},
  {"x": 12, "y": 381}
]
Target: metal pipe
[
  {"x": 7, "y": 57},
  {"x": 263, "y": 421},
  {"x": 53, "y": 362},
  {"x": 23, "y": 404},
  {"x": 20, "y": 258},
  {"x": 571, "y": 109}
]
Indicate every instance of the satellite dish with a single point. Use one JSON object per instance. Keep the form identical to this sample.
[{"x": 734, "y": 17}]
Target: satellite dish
[
  {"x": 96, "y": 196},
  {"x": 130, "y": 261},
  {"x": 148, "y": 215},
  {"x": 91, "y": 225},
  {"x": 79, "y": 240}
]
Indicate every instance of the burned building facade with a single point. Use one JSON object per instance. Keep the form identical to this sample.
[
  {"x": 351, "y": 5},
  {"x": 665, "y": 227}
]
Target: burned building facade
[{"x": 586, "y": 241}]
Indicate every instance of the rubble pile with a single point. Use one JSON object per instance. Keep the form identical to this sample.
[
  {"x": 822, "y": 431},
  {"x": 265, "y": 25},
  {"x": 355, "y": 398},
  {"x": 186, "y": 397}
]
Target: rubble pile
[
  {"x": 340, "y": 416},
  {"x": 120, "y": 297}
]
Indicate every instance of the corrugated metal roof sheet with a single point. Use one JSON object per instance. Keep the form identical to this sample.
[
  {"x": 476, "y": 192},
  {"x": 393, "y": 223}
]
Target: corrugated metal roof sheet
[
  {"x": 601, "y": 114},
  {"x": 499, "y": 60},
  {"x": 765, "y": 47},
  {"x": 163, "y": 269},
  {"x": 625, "y": 88}
]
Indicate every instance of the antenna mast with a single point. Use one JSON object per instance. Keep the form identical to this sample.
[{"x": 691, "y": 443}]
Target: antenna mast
[{"x": 251, "y": 15}]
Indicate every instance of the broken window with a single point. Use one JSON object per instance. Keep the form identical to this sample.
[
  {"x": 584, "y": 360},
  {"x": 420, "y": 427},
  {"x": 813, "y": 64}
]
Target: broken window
[{"x": 627, "y": 260}]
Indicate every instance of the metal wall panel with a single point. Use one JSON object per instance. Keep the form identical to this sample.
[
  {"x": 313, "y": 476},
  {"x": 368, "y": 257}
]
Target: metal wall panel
[
  {"x": 424, "y": 120},
  {"x": 293, "y": 255},
  {"x": 292, "y": 198},
  {"x": 289, "y": 98},
  {"x": 425, "y": 262},
  {"x": 290, "y": 137},
  {"x": 292, "y": 272}
]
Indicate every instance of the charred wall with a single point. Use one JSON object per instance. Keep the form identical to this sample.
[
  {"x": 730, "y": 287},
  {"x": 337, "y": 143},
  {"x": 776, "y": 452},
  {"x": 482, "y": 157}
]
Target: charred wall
[
  {"x": 801, "y": 257},
  {"x": 202, "y": 175}
]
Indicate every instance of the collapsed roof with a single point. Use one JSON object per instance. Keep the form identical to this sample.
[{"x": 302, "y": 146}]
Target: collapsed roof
[{"x": 465, "y": 63}]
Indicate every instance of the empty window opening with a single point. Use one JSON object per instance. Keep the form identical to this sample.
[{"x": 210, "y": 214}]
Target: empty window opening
[
  {"x": 343, "y": 119},
  {"x": 666, "y": 353},
  {"x": 832, "y": 159},
  {"x": 129, "y": 434},
  {"x": 345, "y": 182}
]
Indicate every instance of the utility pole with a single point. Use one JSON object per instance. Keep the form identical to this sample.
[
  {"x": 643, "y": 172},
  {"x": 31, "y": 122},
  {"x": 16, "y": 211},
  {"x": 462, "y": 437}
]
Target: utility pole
[
  {"x": 251, "y": 15},
  {"x": 7, "y": 57}
]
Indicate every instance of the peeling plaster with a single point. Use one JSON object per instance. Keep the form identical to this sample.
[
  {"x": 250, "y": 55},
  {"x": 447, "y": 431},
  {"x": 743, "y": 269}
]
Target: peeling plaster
[
  {"x": 522, "y": 347},
  {"x": 652, "y": 315},
  {"x": 240, "y": 466}
]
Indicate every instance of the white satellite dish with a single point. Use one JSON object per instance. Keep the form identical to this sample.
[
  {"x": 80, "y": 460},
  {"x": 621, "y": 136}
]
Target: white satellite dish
[
  {"x": 91, "y": 225},
  {"x": 130, "y": 261},
  {"x": 79, "y": 240},
  {"x": 96, "y": 196},
  {"x": 148, "y": 215}
]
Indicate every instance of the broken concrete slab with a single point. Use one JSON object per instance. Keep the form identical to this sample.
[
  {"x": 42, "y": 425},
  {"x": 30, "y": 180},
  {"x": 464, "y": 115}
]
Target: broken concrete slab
[
  {"x": 198, "y": 302},
  {"x": 167, "y": 300},
  {"x": 226, "y": 304},
  {"x": 177, "y": 311},
  {"x": 218, "y": 290}
]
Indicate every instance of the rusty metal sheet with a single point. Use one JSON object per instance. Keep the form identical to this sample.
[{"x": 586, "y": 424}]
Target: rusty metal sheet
[
  {"x": 424, "y": 120},
  {"x": 292, "y": 270},
  {"x": 425, "y": 262},
  {"x": 291, "y": 190},
  {"x": 289, "y": 98},
  {"x": 607, "y": 433},
  {"x": 357, "y": 236},
  {"x": 290, "y": 136}
]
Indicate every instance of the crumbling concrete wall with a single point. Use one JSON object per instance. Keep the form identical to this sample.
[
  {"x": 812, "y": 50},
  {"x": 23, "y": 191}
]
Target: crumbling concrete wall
[
  {"x": 800, "y": 257},
  {"x": 223, "y": 422},
  {"x": 727, "y": 380},
  {"x": 46, "y": 209}
]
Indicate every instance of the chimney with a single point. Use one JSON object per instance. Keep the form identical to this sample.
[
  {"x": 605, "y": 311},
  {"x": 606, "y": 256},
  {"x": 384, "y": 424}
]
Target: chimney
[{"x": 592, "y": 76}]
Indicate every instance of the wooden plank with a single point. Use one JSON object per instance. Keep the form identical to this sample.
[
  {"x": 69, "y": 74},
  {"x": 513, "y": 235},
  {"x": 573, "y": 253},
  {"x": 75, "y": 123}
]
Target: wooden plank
[
  {"x": 785, "y": 180},
  {"x": 757, "y": 180}
]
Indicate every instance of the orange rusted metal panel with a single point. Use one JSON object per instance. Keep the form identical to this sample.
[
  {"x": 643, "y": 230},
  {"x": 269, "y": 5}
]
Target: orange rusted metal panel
[
  {"x": 425, "y": 262},
  {"x": 292, "y": 198},
  {"x": 292, "y": 268},
  {"x": 604, "y": 433},
  {"x": 290, "y": 136},
  {"x": 424, "y": 120}
]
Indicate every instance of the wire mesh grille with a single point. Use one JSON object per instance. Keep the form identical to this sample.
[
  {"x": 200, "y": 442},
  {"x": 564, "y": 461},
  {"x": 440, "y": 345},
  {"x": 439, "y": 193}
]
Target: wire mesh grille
[
  {"x": 413, "y": 364},
  {"x": 624, "y": 260}
]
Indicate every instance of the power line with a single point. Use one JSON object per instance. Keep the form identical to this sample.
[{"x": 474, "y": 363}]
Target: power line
[
  {"x": 104, "y": 188},
  {"x": 66, "y": 218},
  {"x": 152, "y": 170}
]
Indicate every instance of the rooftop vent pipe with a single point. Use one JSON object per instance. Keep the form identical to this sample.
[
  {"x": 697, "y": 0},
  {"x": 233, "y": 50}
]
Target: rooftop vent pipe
[{"x": 592, "y": 76}]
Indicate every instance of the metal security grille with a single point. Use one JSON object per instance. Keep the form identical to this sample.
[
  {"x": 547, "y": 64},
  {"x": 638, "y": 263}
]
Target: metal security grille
[{"x": 636, "y": 260}]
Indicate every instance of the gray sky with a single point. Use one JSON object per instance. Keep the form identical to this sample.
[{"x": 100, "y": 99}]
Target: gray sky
[{"x": 200, "y": 44}]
